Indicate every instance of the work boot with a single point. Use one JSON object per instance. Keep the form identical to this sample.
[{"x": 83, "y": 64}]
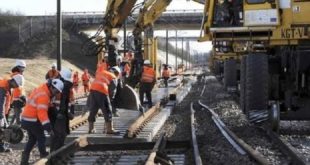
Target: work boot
[
  {"x": 91, "y": 128},
  {"x": 4, "y": 148},
  {"x": 116, "y": 114},
  {"x": 25, "y": 159},
  {"x": 110, "y": 129}
]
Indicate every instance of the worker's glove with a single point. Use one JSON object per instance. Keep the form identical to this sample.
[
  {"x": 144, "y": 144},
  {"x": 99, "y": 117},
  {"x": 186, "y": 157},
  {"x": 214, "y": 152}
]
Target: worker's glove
[{"x": 47, "y": 127}]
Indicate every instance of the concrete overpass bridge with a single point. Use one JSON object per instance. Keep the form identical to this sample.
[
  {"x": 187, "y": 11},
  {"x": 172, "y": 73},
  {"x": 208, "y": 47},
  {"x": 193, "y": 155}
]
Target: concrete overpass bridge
[{"x": 177, "y": 19}]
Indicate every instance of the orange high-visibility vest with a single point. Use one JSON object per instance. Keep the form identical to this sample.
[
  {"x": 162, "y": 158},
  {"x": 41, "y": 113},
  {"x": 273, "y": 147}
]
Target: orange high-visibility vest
[
  {"x": 148, "y": 74},
  {"x": 37, "y": 105},
  {"x": 102, "y": 66},
  {"x": 4, "y": 83},
  {"x": 166, "y": 73},
  {"x": 52, "y": 74},
  {"x": 102, "y": 81},
  {"x": 85, "y": 78}
]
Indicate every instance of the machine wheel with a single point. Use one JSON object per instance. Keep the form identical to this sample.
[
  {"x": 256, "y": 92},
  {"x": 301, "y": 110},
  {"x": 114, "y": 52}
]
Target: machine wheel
[
  {"x": 274, "y": 117},
  {"x": 257, "y": 87},
  {"x": 230, "y": 73},
  {"x": 242, "y": 83},
  {"x": 217, "y": 67}
]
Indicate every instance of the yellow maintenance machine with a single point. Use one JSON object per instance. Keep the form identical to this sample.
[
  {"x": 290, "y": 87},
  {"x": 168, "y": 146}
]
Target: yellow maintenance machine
[
  {"x": 273, "y": 37},
  {"x": 144, "y": 41}
]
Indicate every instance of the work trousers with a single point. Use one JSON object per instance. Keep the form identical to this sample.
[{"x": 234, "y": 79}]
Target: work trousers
[
  {"x": 35, "y": 133},
  {"x": 16, "y": 116},
  {"x": 146, "y": 88},
  {"x": 60, "y": 132},
  {"x": 97, "y": 100},
  {"x": 166, "y": 81}
]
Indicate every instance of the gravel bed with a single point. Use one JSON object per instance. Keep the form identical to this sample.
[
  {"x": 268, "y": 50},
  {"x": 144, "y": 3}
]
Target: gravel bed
[{"x": 229, "y": 111}]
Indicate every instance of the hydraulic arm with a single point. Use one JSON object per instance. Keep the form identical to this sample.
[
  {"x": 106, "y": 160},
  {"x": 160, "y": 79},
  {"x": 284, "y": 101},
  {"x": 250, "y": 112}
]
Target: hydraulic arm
[{"x": 149, "y": 13}]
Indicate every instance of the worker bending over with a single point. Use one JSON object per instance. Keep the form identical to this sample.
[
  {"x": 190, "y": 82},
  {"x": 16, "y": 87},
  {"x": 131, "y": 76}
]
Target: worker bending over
[
  {"x": 5, "y": 91},
  {"x": 86, "y": 80},
  {"x": 113, "y": 87},
  {"x": 34, "y": 118},
  {"x": 166, "y": 75},
  {"x": 98, "y": 98},
  {"x": 52, "y": 73},
  {"x": 147, "y": 82},
  {"x": 59, "y": 114},
  {"x": 18, "y": 100}
]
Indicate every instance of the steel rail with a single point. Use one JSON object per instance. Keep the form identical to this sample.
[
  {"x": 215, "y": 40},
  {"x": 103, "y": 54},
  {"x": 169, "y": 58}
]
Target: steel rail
[
  {"x": 197, "y": 157},
  {"x": 247, "y": 148},
  {"x": 136, "y": 126}
]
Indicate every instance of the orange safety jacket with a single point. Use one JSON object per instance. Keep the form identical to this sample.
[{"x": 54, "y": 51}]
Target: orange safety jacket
[
  {"x": 166, "y": 73},
  {"x": 85, "y": 78},
  {"x": 37, "y": 106},
  {"x": 4, "y": 83},
  {"x": 102, "y": 66},
  {"x": 52, "y": 74},
  {"x": 148, "y": 74},
  {"x": 102, "y": 81}
]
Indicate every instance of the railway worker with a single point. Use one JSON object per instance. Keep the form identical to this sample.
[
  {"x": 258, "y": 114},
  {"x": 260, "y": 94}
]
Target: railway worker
[
  {"x": 86, "y": 80},
  {"x": 147, "y": 82},
  {"x": 59, "y": 114},
  {"x": 103, "y": 64},
  {"x": 98, "y": 98},
  {"x": 166, "y": 75},
  {"x": 18, "y": 99},
  {"x": 34, "y": 118},
  {"x": 76, "y": 81},
  {"x": 52, "y": 73},
  {"x": 5, "y": 89},
  {"x": 113, "y": 87}
]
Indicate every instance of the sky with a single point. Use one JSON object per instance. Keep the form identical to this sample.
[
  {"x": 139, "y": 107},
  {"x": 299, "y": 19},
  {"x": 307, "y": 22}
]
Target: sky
[{"x": 43, "y": 7}]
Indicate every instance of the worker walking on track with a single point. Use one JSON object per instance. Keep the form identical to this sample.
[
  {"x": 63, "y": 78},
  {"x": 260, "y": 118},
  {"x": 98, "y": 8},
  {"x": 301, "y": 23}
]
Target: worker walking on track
[
  {"x": 113, "y": 87},
  {"x": 18, "y": 100},
  {"x": 5, "y": 87},
  {"x": 86, "y": 79},
  {"x": 147, "y": 82},
  {"x": 99, "y": 99},
  {"x": 34, "y": 118},
  {"x": 76, "y": 81},
  {"x": 59, "y": 114},
  {"x": 52, "y": 73},
  {"x": 166, "y": 75}
]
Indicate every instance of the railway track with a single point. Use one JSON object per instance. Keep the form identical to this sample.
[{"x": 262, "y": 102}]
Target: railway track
[{"x": 293, "y": 156}]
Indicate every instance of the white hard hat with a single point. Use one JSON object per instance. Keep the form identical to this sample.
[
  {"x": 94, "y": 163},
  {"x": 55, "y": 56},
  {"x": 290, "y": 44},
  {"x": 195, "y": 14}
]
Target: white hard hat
[
  {"x": 58, "y": 84},
  {"x": 118, "y": 58},
  {"x": 54, "y": 65},
  {"x": 147, "y": 62},
  {"x": 106, "y": 55},
  {"x": 20, "y": 63},
  {"x": 66, "y": 74},
  {"x": 19, "y": 79},
  {"x": 116, "y": 68}
]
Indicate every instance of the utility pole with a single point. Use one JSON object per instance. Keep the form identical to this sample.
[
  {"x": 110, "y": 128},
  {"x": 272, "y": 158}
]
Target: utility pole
[
  {"x": 125, "y": 38},
  {"x": 176, "y": 53},
  {"x": 166, "y": 46},
  {"x": 59, "y": 35},
  {"x": 182, "y": 54}
]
